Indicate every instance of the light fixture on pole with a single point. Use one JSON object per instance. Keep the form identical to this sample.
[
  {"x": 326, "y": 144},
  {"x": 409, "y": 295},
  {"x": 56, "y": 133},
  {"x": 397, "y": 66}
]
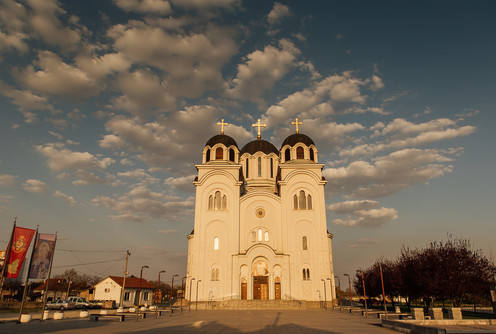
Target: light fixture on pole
[
  {"x": 159, "y": 292},
  {"x": 182, "y": 290},
  {"x": 325, "y": 294},
  {"x": 172, "y": 290},
  {"x": 196, "y": 302},
  {"x": 189, "y": 301},
  {"x": 139, "y": 291},
  {"x": 332, "y": 299},
  {"x": 351, "y": 299},
  {"x": 364, "y": 294},
  {"x": 339, "y": 290}
]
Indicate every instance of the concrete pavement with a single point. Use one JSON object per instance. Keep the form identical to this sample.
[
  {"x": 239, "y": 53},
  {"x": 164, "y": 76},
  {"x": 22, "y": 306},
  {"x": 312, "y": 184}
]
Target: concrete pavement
[{"x": 243, "y": 321}]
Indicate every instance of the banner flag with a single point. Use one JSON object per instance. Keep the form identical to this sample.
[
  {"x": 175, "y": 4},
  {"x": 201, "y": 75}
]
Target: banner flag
[
  {"x": 2, "y": 259},
  {"x": 42, "y": 256},
  {"x": 17, "y": 253}
]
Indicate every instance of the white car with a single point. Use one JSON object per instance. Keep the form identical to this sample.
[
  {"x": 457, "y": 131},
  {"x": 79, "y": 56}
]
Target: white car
[
  {"x": 79, "y": 302},
  {"x": 60, "y": 304}
]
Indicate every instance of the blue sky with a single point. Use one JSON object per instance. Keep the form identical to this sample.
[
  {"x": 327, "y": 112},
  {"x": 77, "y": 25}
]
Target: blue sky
[{"x": 106, "y": 106}]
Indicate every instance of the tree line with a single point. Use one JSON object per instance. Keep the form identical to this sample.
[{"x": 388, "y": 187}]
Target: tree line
[{"x": 450, "y": 270}]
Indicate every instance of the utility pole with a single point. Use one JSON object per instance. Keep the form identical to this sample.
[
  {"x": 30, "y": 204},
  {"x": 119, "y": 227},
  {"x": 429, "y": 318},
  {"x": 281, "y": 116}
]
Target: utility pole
[
  {"x": 70, "y": 281},
  {"x": 124, "y": 279}
]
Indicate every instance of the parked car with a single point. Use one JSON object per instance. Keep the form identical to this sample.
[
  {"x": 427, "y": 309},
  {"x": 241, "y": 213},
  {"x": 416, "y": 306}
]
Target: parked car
[
  {"x": 80, "y": 302},
  {"x": 60, "y": 304}
]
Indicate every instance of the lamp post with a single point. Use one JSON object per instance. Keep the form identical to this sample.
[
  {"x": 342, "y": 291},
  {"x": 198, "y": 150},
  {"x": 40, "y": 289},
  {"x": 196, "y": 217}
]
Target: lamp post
[
  {"x": 325, "y": 294},
  {"x": 139, "y": 291},
  {"x": 351, "y": 300},
  {"x": 172, "y": 290},
  {"x": 189, "y": 301},
  {"x": 159, "y": 292},
  {"x": 364, "y": 294},
  {"x": 383, "y": 292},
  {"x": 339, "y": 290},
  {"x": 330, "y": 283},
  {"x": 196, "y": 301},
  {"x": 182, "y": 291}
]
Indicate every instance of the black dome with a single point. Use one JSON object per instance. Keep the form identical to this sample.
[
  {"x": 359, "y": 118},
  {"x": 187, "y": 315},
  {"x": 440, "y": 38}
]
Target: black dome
[
  {"x": 297, "y": 138},
  {"x": 222, "y": 139},
  {"x": 259, "y": 145}
]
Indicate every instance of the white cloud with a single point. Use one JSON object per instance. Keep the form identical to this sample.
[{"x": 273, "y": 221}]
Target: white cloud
[
  {"x": 7, "y": 180},
  {"x": 351, "y": 206},
  {"x": 205, "y": 4},
  {"x": 12, "y": 42},
  {"x": 35, "y": 186},
  {"x": 262, "y": 70},
  {"x": 184, "y": 183},
  {"x": 278, "y": 12},
  {"x": 25, "y": 100},
  {"x": 369, "y": 218},
  {"x": 388, "y": 174},
  {"x": 65, "y": 197},
  {"x": 60, "y": 158},
  {"x": 162, "y": 7}
]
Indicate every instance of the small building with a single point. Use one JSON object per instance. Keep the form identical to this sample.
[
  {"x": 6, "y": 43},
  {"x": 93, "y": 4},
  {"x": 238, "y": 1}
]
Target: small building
[
  {"x": 57, "y": 289},
  {"x": 110, "y": 289}
]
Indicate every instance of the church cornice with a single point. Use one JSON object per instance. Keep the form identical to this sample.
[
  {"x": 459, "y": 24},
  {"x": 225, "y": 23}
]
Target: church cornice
[
  {"x": 218, "y": 170},
  {"x": 258, "y": 193},
  {"x": 318, "y": 179},
  {"x": 260, "y": 244}
]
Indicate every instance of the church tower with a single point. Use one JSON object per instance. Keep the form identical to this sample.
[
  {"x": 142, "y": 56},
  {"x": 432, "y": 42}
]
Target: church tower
[{"x": 260, "y": 227}]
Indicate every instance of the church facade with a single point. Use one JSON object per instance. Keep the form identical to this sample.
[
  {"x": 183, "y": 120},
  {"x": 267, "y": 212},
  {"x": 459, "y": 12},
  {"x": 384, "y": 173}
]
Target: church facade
[{"x": 260, "y": 227}]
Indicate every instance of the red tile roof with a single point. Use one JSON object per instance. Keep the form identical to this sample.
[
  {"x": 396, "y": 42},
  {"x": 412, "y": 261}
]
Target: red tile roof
[
  {"x": 53, "y": 281},
  {"x": 133, "y": 282}
]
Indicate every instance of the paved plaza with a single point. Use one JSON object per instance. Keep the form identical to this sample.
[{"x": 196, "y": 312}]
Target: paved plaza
[{"x": 242, "y": 321}]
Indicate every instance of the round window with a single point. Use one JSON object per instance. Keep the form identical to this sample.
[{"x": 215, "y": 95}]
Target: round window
[{"x": 260, "y": 213}]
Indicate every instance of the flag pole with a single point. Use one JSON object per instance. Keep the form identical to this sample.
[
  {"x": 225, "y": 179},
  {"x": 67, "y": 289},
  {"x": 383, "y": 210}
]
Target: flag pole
[
  {"x": 27, "y": 277},
  {"x": 48, "y": 280},
  {"x": 7, "y": 258}
]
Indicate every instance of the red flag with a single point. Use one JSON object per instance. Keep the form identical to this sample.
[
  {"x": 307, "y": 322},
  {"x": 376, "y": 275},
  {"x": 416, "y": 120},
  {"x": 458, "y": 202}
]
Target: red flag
[{"x": 20, "y": 243}]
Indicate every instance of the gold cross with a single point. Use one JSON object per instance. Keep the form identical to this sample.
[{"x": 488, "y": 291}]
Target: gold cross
[
  {"x": 221, "y": 123},
  {"x": 296, "y": 123},
  {"x": 258, "y": 125}
]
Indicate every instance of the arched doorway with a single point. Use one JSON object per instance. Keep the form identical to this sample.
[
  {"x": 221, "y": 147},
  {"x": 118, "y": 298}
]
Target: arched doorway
[{"x": 260, "y": 280}]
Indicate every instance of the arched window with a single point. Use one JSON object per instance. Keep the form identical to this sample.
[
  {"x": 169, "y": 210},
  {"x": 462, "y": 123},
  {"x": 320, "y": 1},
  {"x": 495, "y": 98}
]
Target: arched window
[
  {"x": 308, "y": 274},
  {"x": 210, "y": 202},
  {"x": 295, "y": 202},
  {"x": 259, "y": 167},
  {"x": 216, "y": 243},
  {"x": 224, "y": 202},
  {"x": 299, "y": 153},
  {"x": 309, "y": 202},
  {"x": 312, "y": 157},
  {"x": 213, "y": 275},
  {"x": 266, "y": 236},
  {"x": 287, "y": 155},
  {"x": 302, "y": 205},
  {"x": 218, "y": 204},
  {"x": 253, "y": 236},
  {"x": 304, "y": 274},
  {"x": 304, "y": 243},
  {"x": 247, "y": 167},
  {"x": 219, "y": 153},
  {"x": 231, "y": 155},
  {"x": 259, "y": 234},
  {"x": 216, "y": 274},
  {"x": 207, "y": 158},
  {"x": 271, "y": 168}
]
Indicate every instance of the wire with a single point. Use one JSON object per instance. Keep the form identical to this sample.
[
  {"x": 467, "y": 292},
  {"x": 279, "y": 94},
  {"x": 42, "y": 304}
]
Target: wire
[
  {"x": 90, "y": 251},
  {"x": 83, "y": 264}
]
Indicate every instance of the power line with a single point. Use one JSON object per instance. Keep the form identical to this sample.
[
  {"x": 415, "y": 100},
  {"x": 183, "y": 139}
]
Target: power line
[
  {"x": 91, "y": 251},
  {"x": 83, "y": 264}
]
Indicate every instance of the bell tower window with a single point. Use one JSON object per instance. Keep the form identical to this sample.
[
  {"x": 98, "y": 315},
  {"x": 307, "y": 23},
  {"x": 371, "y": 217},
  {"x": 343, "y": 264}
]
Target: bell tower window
[
  {"x": 207, "y": 156},
  {"x": 259, "y": 167},
  {"x": 271, "y": 168},
  {"x": 231, "y": 155},
  {"x": 287, "y": 155},
  {"x": 247, "y": 167},
  {"x": 300, "y": 153},
  {"x": 219, "y": 153},
  {"x": 312, "y": 156}
]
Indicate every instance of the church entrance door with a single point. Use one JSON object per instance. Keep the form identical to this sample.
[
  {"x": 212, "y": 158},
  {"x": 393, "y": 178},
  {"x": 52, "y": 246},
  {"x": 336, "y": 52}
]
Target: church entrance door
[
  {"x": 277, "y": 290},
  {"x": 261, "y": 287},
  {"x": 243, "y": 291}
]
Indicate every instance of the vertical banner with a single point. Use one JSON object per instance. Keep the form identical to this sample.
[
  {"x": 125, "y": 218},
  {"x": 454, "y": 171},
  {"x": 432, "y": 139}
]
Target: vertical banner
[
  {"x": 2, "y": 259},
  {"x": 42, "y": 256},
  {"x": 17, "y": 253}
]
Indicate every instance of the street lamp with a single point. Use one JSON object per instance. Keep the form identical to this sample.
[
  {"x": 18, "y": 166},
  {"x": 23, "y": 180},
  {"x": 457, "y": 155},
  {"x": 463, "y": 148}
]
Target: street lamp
[
  {"x": 172, "y": 290},
  {"x": 159, "y": 292},
  {"x": 182, "y": 291},
  {"x": 330, "y": 283},
  {"x": 325, "y": 295},
  {"x": 351, "y": 300},
  {"x": 364, "y": 295},
  {"x": 196, "y": 301},
  {"x": 339, "y": 291},
  {"x": 189, "y": 301},
  {"x": 139, "y": 291},
  {"x": 383, "y": 292}
]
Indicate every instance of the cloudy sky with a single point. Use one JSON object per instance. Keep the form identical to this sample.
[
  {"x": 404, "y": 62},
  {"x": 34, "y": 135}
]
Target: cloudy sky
[{"x": 106, "y": 106}]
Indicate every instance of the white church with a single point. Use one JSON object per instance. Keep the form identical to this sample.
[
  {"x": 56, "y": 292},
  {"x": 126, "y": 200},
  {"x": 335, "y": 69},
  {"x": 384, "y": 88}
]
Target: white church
[{"x": 260, "y": 227}]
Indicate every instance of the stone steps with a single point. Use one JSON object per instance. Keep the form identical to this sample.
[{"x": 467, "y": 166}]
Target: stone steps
[{"x": 258, "y": 305}]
